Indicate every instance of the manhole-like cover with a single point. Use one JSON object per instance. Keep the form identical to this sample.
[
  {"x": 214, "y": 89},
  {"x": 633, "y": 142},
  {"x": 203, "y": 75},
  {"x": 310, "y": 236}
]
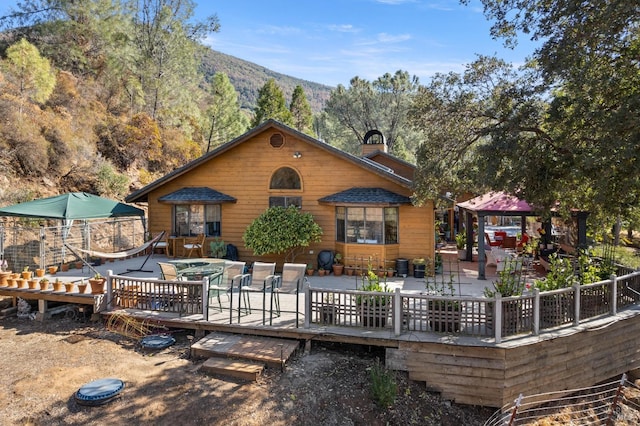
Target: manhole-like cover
[
  {"x": 160, "y": 341},
  {"x": 99, "y": 391}
]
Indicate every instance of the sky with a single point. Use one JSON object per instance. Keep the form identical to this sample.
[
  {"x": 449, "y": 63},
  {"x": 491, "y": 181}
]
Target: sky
[{"x": 332, "y": 41}]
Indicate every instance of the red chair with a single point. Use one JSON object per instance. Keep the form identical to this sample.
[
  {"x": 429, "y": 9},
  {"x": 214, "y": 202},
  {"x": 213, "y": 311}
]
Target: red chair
[
  {"x": 491, "y": 243},
  {"x": 523, "y": 241}
]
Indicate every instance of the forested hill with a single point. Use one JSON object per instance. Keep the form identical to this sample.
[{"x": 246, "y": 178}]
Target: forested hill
[{"x": 248, "y": 78}]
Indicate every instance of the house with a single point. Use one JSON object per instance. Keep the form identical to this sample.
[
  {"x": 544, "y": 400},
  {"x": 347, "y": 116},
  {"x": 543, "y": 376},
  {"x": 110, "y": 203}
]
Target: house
[{"x": 363, "y": 204}]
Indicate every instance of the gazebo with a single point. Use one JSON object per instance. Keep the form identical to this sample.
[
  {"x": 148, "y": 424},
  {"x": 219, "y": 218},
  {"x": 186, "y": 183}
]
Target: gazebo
[{"x": 503, "y": 204}]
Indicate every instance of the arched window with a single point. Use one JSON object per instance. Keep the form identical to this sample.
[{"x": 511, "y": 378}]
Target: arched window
[{"x": 285, "y": 178}]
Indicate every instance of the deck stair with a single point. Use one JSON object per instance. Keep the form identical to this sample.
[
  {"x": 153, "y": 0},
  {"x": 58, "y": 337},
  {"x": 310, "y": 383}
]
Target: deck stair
[{"x": 242, "y": 356}]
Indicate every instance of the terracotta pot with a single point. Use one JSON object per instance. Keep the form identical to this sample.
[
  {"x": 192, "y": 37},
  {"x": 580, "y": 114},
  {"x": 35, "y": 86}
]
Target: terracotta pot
[
  {"x": 33, "y": 284},
  {"x": 44, "y": 285},
  {"x": 97, "y": 285},
  {"x": 22, "y": 283},
  {"x": 82, "y": 288},
  {"x": 26, "y": 274},
  {"x": 40, "y": 273},
  {"x": 52, "y": 270},
  {"x": 68, "y": 287},
  {"x": 11, "y": 282},
  {"x": 58, "y": 286},
  {"x": 64, "y": 267},
  {"x": 4, "y": 276}
]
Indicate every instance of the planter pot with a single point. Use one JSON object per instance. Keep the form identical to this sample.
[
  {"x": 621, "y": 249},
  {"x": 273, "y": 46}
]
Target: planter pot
[
  {"x": 82, "y": 288},
  {"x": 22, "y": 283},
  {"x": 44, "y": 286},
  {"x": 349, "y": 270},
  {"x": 309, "y": 272},
  {"x": 52, "y": 270},
  {"x": 373, "y": 316},
  {"x": 553, "y": 310},
  {"x": 26, "y": 274},
  {"x": 58, "y": 286},
  {"x": 418, "y": 271},
  {"x": 321, "y": 272},
  {"x": 329, "y": 315},
  {"x": 337, "y": 269},
  {"x": 444, "y": 316},
  {"x": 512, "y": 318},
  {"x": 68, "y": 287},
  {"x": 97, "y": 285},
  {"x": 79, "y": 265},
  {"x": 33, "y": 284},
  {"x": 12, "y": 282},
  {"x": 40, "y": 273},
  {"x": 462, "y": 254},
  {"x": 4, "y": 276},
  {"x": 64, "y": 267}
]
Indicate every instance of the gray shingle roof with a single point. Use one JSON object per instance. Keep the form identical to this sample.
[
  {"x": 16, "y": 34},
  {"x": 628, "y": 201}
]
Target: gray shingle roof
[
  {"x": 366, "y": 196},
  {"x": 197, "y": 195}
]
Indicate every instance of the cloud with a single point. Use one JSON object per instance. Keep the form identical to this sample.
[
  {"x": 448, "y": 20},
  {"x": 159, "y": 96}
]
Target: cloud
[
  {"x": 344, "y": 28},
  {"x": 395, "y": 2},
  {"x": 389, "y": 38},
  {"x": 281, "y": 31}
]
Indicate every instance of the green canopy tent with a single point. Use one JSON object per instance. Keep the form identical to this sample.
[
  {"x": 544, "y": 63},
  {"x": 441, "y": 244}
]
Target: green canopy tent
[
  {"x": 69, "y": 207},
  {"x": 74, "y": 205}
]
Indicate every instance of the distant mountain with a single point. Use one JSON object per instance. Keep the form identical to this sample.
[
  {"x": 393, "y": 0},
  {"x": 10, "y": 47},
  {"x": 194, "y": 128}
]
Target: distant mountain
[{"x": 248, "y": 78}]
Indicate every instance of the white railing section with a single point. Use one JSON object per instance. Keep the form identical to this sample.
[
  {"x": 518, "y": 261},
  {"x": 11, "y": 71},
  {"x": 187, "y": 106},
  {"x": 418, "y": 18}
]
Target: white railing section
[{"x": 405, "y": 312}]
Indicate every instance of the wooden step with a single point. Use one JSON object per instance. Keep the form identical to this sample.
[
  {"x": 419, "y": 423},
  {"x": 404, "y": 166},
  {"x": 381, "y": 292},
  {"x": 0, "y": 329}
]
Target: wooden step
[
  {"x": 233, "y": 368},
  {"x": 267, "y": 350}
]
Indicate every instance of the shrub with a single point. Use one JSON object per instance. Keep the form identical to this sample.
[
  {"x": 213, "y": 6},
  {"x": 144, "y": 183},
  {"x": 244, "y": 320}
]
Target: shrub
[{"x": 383, "y": 386}]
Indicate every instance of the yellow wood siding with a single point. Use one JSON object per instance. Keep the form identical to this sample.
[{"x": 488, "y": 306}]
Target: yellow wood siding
[{"x": 244, "y": 172}]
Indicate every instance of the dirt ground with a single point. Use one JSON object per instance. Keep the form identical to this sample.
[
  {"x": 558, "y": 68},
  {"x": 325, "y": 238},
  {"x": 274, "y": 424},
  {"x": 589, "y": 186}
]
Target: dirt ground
[{"x": 45, "y": 363}]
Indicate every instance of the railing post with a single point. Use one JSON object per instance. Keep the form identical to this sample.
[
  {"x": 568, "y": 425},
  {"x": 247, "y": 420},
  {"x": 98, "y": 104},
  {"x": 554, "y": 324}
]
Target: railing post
[
  {"x": 614, "y": 294},
  {"x": 43, "y": 248},
  {"x": 536, "y": 311},
  {"x": 614, "y": 404},
  {"x": 514, "y": 412},
  {"x": 205, "y": 298},
  {"x": 576, "y": 300},
  {"x": 307, "y": 306},
  {"x": 397, "y": 312},
  {"x": 497, "y": 318},
  {"x": 109, "y": 290}
]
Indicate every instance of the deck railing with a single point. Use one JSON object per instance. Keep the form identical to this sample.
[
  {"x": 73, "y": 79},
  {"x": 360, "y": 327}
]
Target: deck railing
[
  {"x": 473, "y": 316},
  {"x": 406, "y": 312}
]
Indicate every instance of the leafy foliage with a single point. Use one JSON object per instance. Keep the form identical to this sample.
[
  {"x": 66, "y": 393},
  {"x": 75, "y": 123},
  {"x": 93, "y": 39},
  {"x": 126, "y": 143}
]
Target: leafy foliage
[
  {"x": 383, "y": 386},
  {"x": 271, "y": 105},
  {"x": 32, "y": 73},
  {"x": 227, "y": 121},
  {"x": 282, "y": 230},
  {"x": 301, "y": 111}
]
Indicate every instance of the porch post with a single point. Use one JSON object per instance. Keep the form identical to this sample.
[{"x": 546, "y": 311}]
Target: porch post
[
  {"x": 307, "y": 307},
  {"x": 481, "y": 254}
]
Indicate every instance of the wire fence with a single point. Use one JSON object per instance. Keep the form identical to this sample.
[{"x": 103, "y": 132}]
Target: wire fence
[
  {"x": 612, "y": 403},
  {"x": 30, "y": 243}
]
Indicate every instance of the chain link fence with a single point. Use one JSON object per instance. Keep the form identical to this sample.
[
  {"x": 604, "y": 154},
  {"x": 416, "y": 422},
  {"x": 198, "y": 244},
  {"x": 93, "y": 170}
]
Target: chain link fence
[{"x": 30, "y": 243}]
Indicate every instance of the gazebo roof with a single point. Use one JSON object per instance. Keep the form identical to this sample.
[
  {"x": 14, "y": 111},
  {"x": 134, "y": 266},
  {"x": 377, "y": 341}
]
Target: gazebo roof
[{"x": 498, "y": 203}]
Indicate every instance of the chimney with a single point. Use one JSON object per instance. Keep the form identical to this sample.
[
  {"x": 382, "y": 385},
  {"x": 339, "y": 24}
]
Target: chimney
[{"x": 373, "y": 141}]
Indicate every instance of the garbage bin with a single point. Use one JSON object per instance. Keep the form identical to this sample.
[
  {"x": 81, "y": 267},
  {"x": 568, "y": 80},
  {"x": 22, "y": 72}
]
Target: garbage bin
[{"x": 402, "y": 267}]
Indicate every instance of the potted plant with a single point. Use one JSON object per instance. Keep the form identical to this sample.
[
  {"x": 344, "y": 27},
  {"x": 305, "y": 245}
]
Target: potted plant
[
  {"x": 40, "y": 272},
  {"x": 373, "y": 309},
  {"x": 508, "y": 284},
  {"x": 44, "y": 284},
  {"x": 337, "y": 267},
  {"x": 419, "y": 265},
  {"x": 32, "y": 283},
  {"x": 309, "y": 269},
  {"x": 437, "y": 263},
  {"x": 82, "y": 287},
  {"x": 444, "y": 315},
  {"x": 218, "y": 248},
  {"x": 461, "y": 244},
  {"x": 68, "y": 287},
  {"x": 58, "y": 285},
  {"x": 52, "y": 270},
  {"x": 329, "y": 310},
  {"x": 97, "y": 284},
  {"x": 26, "y": 273}
]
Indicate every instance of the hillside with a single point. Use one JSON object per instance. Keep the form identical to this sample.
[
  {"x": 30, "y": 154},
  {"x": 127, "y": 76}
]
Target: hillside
[{"x": 248, "y": 78}]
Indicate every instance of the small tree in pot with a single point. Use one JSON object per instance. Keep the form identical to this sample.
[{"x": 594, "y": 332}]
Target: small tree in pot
[
  {"x": 461, "y": 244},
  {"x": 282, "y": 230}
]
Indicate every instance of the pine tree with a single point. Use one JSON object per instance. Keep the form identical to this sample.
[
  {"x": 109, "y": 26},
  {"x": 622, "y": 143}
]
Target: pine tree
[
  {"x": 271, "y": 104},
  {"x": 31, "y": 73},
  {"x": 301, "y": 111},
  {"x": 227, "y": 121}
]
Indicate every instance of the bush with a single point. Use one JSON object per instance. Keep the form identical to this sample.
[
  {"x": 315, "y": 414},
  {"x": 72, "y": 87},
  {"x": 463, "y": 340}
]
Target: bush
[{"x": 383, "y": 386}]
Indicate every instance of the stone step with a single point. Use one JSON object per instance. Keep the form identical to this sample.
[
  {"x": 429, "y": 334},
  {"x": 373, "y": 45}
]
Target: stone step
[{"x": 233, "y": 368}]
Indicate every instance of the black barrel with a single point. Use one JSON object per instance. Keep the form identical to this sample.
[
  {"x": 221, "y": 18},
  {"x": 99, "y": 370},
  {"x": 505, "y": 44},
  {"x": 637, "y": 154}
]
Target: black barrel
[
  {"x": 402, "y": 267},
  {"x": 325, "y": 260}
]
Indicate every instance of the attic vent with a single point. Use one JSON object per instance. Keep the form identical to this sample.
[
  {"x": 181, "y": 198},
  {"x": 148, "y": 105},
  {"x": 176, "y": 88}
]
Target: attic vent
[{"x": 277, "y": 140}]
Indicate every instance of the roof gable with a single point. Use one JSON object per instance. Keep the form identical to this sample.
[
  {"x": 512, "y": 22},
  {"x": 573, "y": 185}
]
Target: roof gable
[{"x": 369, "y": 165}]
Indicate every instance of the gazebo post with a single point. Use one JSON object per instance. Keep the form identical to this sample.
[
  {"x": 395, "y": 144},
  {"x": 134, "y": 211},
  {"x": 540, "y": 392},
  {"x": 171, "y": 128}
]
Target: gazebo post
[
  {"x": 481, "y": 254},
  {"x": 469, "y": 230}
]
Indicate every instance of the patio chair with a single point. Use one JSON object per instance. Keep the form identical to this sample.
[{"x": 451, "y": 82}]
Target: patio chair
[
  {"x": 196, "y": 245},
  {"x": 262, "y": 278},
  {"x": 491, "y": 243},
  {"x": 290, "y": 282},
  {"x": 168, "y": 271},
  {"x": 231, "y": 269},
  {"x": 217, "y": 286},
  {"x": 163, "y": 244}
]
